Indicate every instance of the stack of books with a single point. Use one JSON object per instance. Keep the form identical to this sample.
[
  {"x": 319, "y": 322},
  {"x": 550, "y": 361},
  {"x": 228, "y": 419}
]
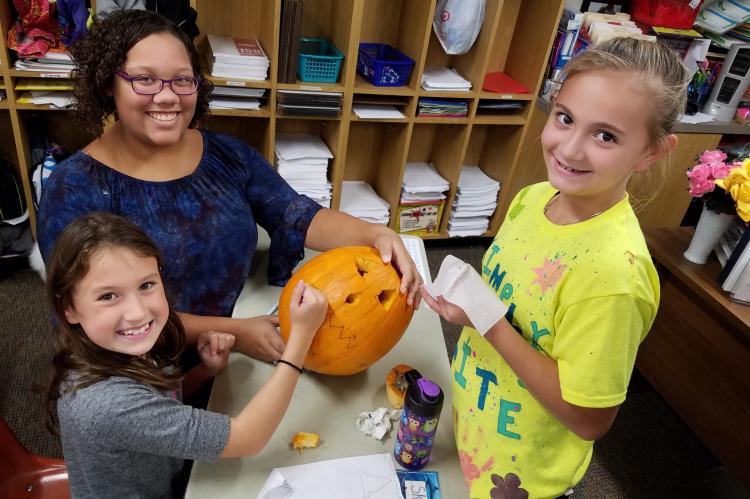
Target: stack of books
[
  {"x": 475, "y": 202},
  {"x": 302, "y": 160},
  {"x": 360, "y": 200},
  {"x": 309, "y": 103},
  {"x": 237, "y": 58},
  {"x": 442, "y": 108},
  {"x": 444, "y": 79},
  {"x": 236, "y": 98},
  {"x": 291, "y": 22}
]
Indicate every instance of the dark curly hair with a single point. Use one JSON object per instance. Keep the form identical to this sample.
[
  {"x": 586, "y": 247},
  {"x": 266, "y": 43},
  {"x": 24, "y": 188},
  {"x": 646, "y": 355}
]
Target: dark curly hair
[{"x": 104, "y": 50}]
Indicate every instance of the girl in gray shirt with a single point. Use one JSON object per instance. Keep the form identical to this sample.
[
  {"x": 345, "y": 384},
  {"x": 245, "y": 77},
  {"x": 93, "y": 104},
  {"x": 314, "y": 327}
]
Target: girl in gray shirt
[{"x": 116, "y": 388}]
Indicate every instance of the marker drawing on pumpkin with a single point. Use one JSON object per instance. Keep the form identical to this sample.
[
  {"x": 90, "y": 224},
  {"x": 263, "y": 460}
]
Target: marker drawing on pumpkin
[{"x": 549, "y": 274}]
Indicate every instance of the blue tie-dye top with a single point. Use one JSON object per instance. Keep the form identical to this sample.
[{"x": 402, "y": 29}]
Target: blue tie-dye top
[{"x": 204, "y": 223}]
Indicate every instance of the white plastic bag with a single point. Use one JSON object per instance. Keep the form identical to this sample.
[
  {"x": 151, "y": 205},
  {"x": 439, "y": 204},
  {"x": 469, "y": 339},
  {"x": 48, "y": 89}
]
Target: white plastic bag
[{"x": 457, "y": 24}]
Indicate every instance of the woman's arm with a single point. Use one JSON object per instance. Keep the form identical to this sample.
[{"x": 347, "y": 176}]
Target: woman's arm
[
  {"x": 256, "y": 337},
  {"x": 538, "y": 373},
  {"x": 331, "y": 229}
]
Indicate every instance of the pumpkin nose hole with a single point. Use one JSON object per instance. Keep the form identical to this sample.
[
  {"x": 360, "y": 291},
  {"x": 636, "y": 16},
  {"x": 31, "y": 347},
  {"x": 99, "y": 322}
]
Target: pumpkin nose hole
[
  {"x": 387, "y": 297},
  {"x": 364, "y": 266},
  {"x": 352, "y": 298}
]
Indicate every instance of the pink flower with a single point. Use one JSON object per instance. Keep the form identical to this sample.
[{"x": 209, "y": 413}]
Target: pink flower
[
  {"x": 720, "y": 170},
  {"x": 699, "y": 172},
  {"x": 714, "y": 156},
  {"x": 699, "y": 187}
]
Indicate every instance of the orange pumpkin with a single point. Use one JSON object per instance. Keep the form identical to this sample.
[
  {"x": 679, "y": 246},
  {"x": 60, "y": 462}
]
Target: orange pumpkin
[{"x": 366, "y": 314}]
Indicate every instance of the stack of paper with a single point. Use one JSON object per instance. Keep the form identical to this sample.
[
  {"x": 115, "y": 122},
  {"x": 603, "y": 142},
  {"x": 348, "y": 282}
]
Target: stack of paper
[
  {"x": 360, "y": 200},
  {"x": 236, "y": 98},
  {"x": 55, "y": 62},
  {"x": 475, "y": 202},
  {"x": 302, "y": 160},
  {"x": 437, "y": 78},
  {"x": 422, "y": 183},
  {"x": 58, "y": 99},
  {"x": 443, "y": 108},
  {"x": 237, "y": 58},
  {"x": 309, "y": 103}
]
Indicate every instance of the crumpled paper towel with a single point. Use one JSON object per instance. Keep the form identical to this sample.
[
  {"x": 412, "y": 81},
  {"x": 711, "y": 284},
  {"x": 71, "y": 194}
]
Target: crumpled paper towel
[
  {"x": 460, "y": 284},
  {"x": 378, "y": 422}
]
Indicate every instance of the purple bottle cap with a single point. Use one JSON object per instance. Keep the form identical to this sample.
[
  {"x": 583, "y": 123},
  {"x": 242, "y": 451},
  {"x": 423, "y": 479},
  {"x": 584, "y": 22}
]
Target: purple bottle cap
[{"x": 428, "y": 387}]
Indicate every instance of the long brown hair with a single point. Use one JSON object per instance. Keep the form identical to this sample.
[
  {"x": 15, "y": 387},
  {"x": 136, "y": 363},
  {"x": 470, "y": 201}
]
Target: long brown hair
[{"x": 75, "y": 354}]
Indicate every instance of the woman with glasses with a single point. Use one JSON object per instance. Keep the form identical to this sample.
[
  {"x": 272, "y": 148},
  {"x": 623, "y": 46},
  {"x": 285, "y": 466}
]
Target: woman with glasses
[{"x": 196, "y": 193}]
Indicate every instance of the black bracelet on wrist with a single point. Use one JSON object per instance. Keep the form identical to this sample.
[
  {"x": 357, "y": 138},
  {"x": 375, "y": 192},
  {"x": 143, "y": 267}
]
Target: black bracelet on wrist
[{"x": 282, "y": 361}]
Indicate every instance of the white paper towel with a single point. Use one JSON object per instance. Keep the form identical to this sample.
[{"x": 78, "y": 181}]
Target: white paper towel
[{"x": 460, "y": 284}]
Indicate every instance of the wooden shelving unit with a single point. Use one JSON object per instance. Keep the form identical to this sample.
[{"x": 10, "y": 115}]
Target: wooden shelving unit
[{"x": 515, "y": 38}]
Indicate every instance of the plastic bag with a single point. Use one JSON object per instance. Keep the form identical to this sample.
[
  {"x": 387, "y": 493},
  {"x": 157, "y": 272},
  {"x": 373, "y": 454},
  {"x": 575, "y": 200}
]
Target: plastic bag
[{"x": 457, "y": 24}]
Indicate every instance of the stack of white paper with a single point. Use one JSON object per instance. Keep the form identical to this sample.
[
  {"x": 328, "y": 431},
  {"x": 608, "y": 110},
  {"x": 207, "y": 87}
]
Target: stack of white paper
[
  {"x": 302, "y": 160},
  {"x": 360, "y": 200},
  {"x": 437, "y": 78},
  {"x": 237, "y": 58},
  {"x": 422, "y": 183},
  {"x": 475, "y": 202},
  {"x": 52, "y": 63},
  {"x": 236, "y": 98}
]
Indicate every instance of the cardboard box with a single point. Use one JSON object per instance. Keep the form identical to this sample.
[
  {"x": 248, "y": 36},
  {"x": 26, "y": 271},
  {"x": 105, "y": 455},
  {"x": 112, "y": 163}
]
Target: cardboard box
[{"x": 420, "y": 218}]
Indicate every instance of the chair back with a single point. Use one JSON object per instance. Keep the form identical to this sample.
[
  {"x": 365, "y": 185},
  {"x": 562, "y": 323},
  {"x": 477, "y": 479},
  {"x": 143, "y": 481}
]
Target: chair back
[{"x": 27, "y": 475}]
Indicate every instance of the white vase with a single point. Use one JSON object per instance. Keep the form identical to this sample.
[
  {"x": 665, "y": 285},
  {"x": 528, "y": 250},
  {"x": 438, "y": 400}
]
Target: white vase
[{"x": 711, "y": 226}]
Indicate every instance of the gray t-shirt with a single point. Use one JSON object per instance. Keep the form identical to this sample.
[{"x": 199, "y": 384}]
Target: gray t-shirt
[{"x": 125, "y": 439}]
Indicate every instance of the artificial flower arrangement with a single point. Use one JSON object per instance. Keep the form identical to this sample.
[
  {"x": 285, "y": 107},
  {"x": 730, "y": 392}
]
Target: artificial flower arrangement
[{"x": 732, "y": 178}]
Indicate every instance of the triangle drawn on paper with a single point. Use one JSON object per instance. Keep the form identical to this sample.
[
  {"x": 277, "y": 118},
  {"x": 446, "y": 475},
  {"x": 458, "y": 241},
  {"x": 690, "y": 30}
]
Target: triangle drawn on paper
[{"x": 372, "y": 484}]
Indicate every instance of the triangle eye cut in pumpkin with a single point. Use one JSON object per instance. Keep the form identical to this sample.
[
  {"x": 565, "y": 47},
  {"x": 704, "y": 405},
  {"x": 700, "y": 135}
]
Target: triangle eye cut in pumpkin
[{"x": 366, "y": 316}]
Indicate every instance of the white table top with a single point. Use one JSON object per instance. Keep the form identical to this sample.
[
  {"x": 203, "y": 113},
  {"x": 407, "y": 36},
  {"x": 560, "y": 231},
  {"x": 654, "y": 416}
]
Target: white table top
[{"x": 327, "y": 405}]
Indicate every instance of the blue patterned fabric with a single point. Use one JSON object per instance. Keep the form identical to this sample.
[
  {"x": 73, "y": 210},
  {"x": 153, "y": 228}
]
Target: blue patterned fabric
[{"x": 203, "y": 223}]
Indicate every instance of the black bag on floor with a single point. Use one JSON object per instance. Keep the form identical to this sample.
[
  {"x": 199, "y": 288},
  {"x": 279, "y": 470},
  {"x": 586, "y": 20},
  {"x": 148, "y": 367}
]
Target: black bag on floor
[{"x": 15, "y": 234}]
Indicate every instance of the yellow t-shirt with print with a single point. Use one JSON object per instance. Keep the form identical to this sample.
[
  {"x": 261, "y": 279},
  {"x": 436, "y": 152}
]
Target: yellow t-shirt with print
[{"x": 584, "y": 295}]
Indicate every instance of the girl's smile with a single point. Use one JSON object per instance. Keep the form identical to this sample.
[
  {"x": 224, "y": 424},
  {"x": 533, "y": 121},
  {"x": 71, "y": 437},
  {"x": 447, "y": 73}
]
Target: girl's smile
[{"x": 120, "y": 303}]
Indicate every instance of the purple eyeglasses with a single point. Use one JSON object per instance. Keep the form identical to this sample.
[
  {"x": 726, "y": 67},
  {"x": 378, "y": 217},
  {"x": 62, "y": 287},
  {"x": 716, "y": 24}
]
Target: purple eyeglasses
[{"x": 151, "y": 85}]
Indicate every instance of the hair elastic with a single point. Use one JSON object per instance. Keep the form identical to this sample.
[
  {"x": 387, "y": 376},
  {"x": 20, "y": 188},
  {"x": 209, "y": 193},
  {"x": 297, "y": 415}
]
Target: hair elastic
[{"x": 282, "y": 361}]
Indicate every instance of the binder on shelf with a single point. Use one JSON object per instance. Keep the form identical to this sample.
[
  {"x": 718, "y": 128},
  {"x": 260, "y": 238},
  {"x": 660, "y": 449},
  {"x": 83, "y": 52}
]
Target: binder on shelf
[{"x": 291, "y": 22}]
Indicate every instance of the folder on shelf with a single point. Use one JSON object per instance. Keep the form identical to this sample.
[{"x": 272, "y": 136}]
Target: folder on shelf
[{"x": 503, "y": 84}]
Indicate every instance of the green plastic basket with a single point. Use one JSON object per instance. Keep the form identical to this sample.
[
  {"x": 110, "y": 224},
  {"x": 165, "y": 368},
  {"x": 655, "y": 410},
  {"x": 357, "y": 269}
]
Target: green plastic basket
[{"x": 318, "y": 60}]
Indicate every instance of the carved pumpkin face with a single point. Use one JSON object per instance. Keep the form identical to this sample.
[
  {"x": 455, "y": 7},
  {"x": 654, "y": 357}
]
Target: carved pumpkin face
[{"x": 366, "y": 312}]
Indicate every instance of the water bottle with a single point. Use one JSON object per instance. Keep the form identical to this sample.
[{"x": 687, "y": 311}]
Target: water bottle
[{"x": 419, "y": 419}]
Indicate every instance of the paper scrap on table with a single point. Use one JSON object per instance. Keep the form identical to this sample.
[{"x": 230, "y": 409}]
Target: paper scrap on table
[
  {"x": 460, "y": 284},
  {"x": 376, "y": 423},
  {"x": 367, "y": 477}
]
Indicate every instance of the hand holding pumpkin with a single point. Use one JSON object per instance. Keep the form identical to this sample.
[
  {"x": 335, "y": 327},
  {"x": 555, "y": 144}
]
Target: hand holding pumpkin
[{"x": 392, "y": 249}]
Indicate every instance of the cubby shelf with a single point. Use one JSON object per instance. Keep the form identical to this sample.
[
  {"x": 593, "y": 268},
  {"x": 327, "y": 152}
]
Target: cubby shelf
[{"x": 515, "y": 38}]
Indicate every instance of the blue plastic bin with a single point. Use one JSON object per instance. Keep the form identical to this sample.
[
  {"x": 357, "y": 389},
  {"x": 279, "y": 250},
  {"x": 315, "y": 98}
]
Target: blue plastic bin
[
  {"x": 383, "y": 66},
  {"x": 318, "y": 60}
]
